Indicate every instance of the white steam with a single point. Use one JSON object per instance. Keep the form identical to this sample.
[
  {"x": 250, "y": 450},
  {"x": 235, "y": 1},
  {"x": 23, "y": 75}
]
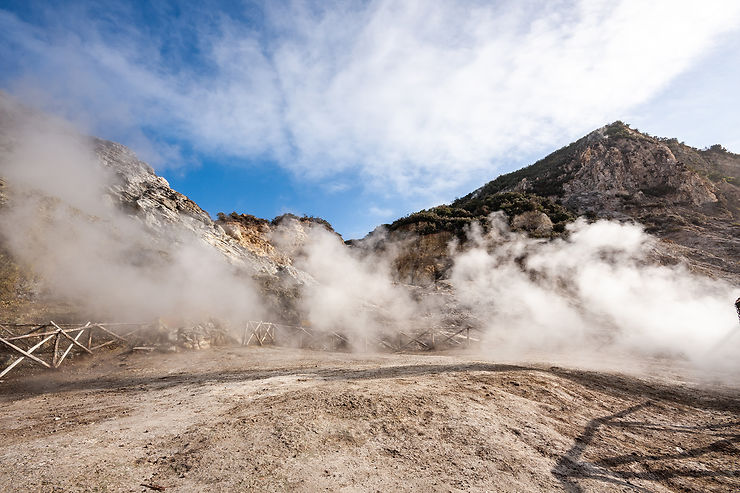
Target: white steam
[
  {"x": 594, "y": 291},
  {"x": 355, "y": 293},
  {"x": 61, "y": 223}
]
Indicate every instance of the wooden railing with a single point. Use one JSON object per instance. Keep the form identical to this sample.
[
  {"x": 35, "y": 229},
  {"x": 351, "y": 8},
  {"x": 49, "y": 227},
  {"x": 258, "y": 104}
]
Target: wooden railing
[
  {"x": 269, "y": 333},
  {"x": 49, "y": 345},
  {"x": 55, "y": 342}
]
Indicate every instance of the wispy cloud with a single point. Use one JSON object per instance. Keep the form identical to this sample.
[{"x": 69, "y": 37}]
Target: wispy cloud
[
  {"x": 414, "y": 96},
  {"x": 380, "y": 212}
]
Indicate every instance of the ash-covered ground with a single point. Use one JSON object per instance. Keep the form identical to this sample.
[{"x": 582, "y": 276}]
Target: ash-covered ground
[{"x": 248, "y": 419}]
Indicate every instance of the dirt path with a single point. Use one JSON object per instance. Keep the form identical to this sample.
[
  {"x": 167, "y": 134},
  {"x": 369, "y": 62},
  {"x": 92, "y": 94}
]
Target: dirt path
[{"x": 242, "y": 419}]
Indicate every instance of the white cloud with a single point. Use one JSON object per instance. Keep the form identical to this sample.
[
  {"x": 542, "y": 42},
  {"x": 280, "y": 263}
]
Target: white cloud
[
  {"x": 417, "y": 96},
  {"x": 380, "y": 212}
]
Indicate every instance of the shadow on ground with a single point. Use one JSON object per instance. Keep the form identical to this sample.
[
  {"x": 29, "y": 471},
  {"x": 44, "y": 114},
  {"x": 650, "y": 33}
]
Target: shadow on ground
[{"x": 572, "y": 466}]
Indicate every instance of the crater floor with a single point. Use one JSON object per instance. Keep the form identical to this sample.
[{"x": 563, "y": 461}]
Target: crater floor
[{"x": 267, "y": 419}]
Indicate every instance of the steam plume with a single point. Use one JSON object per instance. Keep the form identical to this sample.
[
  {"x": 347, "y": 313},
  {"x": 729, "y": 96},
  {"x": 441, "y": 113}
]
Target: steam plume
[
  {"x": 63, "y": 222},
  {"x": 596, "y": 291}
]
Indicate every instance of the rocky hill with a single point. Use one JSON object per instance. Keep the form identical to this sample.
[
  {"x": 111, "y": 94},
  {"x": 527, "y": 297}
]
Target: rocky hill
[
  {"x": 166, "y": 221},
  {"x": 687, "y": 197},
  {"x": 257, "y": 234},
  {"x": 243, "y": 239}
]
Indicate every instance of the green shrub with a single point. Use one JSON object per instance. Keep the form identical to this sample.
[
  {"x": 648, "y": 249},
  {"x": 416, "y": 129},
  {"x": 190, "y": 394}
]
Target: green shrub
[{"x": 456, "y": 219}]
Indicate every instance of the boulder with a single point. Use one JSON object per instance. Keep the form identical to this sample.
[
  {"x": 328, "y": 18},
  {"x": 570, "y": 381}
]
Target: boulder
[{"x": 535, "y": 222}]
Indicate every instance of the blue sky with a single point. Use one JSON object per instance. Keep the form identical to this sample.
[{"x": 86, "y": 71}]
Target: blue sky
[{"x": 361, "y": 112}]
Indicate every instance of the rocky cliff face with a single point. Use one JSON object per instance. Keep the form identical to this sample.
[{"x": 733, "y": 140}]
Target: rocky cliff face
[
  {"x": 420, "y": 257},
  {"x": 279, "y": 240},
  {"x": 165, "y": 218},
  {"x": 687, "y": 197},
  {"x": 149, "y": 198}
]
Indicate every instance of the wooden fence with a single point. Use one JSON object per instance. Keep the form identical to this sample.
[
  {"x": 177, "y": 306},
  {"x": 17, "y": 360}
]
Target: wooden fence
[
  {"x": 48, "y": 345},
  {"x": 268, "y": 333}
]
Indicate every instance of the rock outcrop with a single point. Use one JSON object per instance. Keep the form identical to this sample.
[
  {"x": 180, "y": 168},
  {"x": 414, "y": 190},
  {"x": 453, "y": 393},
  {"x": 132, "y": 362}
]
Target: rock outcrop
[
  {"x": 165, "y": 218},
  {"x": 150, "y": 199},
  {"x": 534, "y": 222},
  {"x": 687, "y": 197}
]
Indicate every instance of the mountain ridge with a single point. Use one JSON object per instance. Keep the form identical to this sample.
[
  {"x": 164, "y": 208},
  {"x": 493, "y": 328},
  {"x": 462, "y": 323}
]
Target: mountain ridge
[{"x": 687, "y": 197}]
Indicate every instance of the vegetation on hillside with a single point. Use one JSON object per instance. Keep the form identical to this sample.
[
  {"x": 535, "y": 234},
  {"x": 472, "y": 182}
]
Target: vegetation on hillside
[
  {"x": 545, "y": 179},
  {"x": 436, "y": 219},
  {"x": 515, "y": 203},
  {"x": 249, "y": 219},
  {"x": 714, "y": 163},
  {"x": 456, "y": 219},
  {"x": 547, "y": 176},
  {"x": 302, "y": 219}
]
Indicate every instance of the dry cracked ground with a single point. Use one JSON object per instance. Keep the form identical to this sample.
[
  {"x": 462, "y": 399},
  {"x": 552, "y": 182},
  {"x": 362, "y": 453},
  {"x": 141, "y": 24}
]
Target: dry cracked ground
[{"x": 261, "y": 419}]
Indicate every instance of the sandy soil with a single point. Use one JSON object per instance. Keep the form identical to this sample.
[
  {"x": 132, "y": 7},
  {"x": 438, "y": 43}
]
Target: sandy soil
[{"x": 237, "y": 419}]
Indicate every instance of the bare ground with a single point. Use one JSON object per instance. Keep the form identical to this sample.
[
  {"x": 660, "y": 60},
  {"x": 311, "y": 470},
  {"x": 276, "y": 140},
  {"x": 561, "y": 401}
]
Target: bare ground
[{"x": 237, "y": 419}]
